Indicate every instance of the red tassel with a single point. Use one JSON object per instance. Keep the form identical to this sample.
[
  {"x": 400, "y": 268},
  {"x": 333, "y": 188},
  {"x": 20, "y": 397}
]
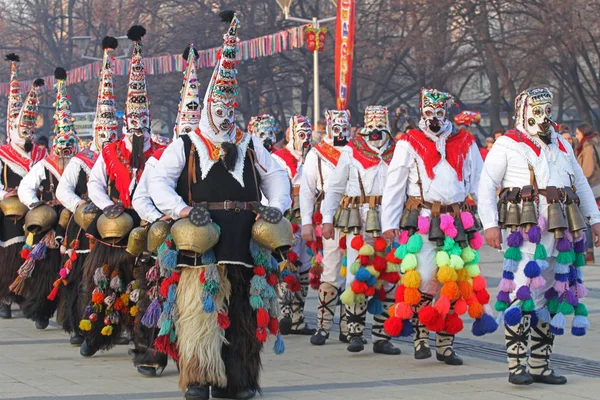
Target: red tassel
[
  {"x": 292, "y": 257},
  {"x": 223, "y": 320},
  {"x": 260, "y": 271},
  {"x": 202, "y": 277},
  {"x": 393, "y": 326},
  {"x": 370, "y": 291},
  {"x": 364, "y": 260},
  {"x": 379, "y": 245},
  {"x": 343, "y": 244},
  {"x": 400, "y": 294},
  {"x": 357, "y": 242},
  {"x": 25, "y": 254},
  {"x": 262, "y": 318},
  {"x": 483, "y": 296},
  {"x": 381, "y": 293},
  {"x": 273, "y": 326},
  {"x": 261, "y": 335},
  {"x": 317, "y": 218},
  {"x": 53, "y": 293},
  {"x": 379, "y": 264},
  {"x": 359, "y": 287},
  {"x": 271, "y": 279},
  {"x": 453, "y": 324}
]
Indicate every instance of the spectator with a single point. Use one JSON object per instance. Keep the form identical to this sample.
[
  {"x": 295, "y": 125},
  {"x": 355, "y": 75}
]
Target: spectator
[
  {"x": 42, "y": 141},
  {"x": 565, "y": 132},
  {"x": 587, "y": 157},
  {"x": 498, "y": 133},
  {"x": 489, "y": 142},
  {"x": 483, "y": 150}
]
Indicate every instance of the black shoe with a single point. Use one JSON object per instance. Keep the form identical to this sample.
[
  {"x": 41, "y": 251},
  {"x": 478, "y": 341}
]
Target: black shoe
[
  {"x": 355, "y": 345},
  {"x": 343, "y": 338},
  {"x": 422, "y": 352},
  {"x": 551, "y": 379},
  {"x": 5, "y": 311},
  {"x": 220, "y": 393},
  {"x": 320, "y": 337},
  {"x": 285, "y": 325},
  {"x": 76, "y": 340},
  {"x": 146, "y": 371},
  {"x": 306, "y": 331},
  {"x": 452, "y": 359},
  {"x": 245, "y": 394},
  {"x": 385, "y": 347},
  {"x": 521, "y": 377},
  {"x": 122, "y": 340},
  {"x": 86, "y": 350},
  {"x": 41, "y": 323},
  {"x": 197, "y": 392}
]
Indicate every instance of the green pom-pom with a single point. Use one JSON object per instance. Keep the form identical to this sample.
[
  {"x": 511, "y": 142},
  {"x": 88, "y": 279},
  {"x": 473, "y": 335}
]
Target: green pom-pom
[
  {"x": 474, "y": 260},
  {"x": 256, "y": 302},
  {"x": 553, "y": 305},
  {"x": 500, "y": 306},
  {"x": 468, "y": 254},
  {"x": 448, "y": 244},
  {"x": 442, "y": 259},
  {"x": 414, "y": 244},
  {"x": 565, "y": 308},
  {"x": 348, "y": 297},
  {"x": 540, "y": 252},
  {"x": 528, "y": 305},
  {"x": 355, "y": 267},
  {"x": 456, "y": 262},
  {"x": 360, "y": 299},
  {"x": 402, "y": 251},
  {"x": 456, "y": 250},
  {"x": 579, "y": 260},
  {"x": 473, "y": 270},
  {"x": 581, "y": 310},
  {"x": 565, "y": 257},
  {"x": 409, "y": 262},
  {"x": 513, "y": 253}
]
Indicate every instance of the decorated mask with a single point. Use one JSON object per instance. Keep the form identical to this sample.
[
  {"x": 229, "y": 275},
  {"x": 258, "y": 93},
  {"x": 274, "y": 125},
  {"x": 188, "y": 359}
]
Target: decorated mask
[
  {"x": 300, "y": 135},
  {"x": 137, "y": 117},
  {"x": 338, "y": 126},
  {"x": 377, "y": 126},
  {"x": 264, "y": 128},
  {"x": 435, "y": 106},
  {"x": 533, "y": 109},
  {"x": 105, "y": 122},
  {"x": 188, "y": 114},
  {"x": 65, "y": 144}
]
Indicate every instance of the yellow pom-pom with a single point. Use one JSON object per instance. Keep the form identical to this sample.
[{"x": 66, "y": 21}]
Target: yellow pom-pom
[
  {"x": 348, "y": 297},
  {"x": 372, "y": 271},
  {"x": 391, "y": 267},
  {"x": 442, "y": 259},
  {"x": 133, "y": 311},
  {"x": 412, "y": 279},
  {"x": 343, "y": 271},
  {"x": 456, "y": 262},
  {"x": 85, "y": 325},
  {"x": 366, "y": 250},
  {"x": 446, "y": 274},
  {"x": 125, "y": 299},
  {"x": 107, "y": 330},
  {"x": 463, "y": 274}
]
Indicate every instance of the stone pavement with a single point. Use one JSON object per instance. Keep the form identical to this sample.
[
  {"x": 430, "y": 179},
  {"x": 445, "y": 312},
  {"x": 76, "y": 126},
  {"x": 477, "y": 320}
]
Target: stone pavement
[{"x": 42, "y": 365}]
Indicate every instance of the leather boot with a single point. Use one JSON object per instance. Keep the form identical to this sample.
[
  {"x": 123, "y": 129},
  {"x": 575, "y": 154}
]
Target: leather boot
[
  {"x": 357, "y": 314},
  {"x": 86, "y": 350},
  {"x": 444, "y": 350},
  {"x": 517, "y": 339},
  {"x": 381, "y": 340},
  {"x": 327, "y": 303},
  {"x": 542, "y": 341},
  {"x": 299, "y": 326},
  {"x": 76, "y": 339},
  {"x": 41, "y": 323},
  {"x": 197, "y": 392},
  {"x": 5, "y": 311},
  {"x": 220, "y": 393},
  {"x": 420, "y": 333}
]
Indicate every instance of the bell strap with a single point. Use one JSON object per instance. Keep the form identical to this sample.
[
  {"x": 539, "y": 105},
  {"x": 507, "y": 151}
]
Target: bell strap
[
  {"x": 372, "y": 201},
  {"x": 419, "y": 181},
  {"x": 192, "y": 179},
  {"x": 363, "y": 194},
  {"x": 436, "y": 207}
]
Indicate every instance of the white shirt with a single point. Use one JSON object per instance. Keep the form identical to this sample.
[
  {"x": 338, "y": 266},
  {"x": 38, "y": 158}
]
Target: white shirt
[
  {"x": 445, "y": 187},
  {"x": 98, "y": 185},
  {"x": 311, "y": 183},
  {"x": 344, "y": 181},
  {"x": 142, "y": 201},
  {"x": 274, "y": 182},
  {"x": 65, "y": 191},
  {"x": 297, "y": 179},
  {"x": 17, "y": 169},
  {"x": 31, "y": 182}
]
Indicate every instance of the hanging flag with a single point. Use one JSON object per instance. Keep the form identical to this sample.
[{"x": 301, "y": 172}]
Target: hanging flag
[{"x": 344, "y": 51}]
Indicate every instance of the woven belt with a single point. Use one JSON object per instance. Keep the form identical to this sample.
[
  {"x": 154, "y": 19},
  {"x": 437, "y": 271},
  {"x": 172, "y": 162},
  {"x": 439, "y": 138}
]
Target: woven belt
[{"x": 227, "y": 205}]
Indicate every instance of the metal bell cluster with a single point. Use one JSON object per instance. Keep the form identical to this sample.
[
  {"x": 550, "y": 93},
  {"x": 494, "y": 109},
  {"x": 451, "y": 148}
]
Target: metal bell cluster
[
  {"x": 575, "y": 218},
  {"x": 529, "y": 216},
  {"x": 410, "y": 220}
]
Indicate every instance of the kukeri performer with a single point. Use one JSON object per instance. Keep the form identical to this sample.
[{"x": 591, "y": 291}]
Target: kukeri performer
[
  {"x": 542, "y": 209},
  {"x": 16, "y": 159},
  {"x": 47, "y": 219},
  {"x": 294, "y": 288},
  {"x": 433, "y": 171},
  {"x": 355, "y": 188},
  {"x": 72, "y": 193},
  {"x": 154, "y": 295},
  {"x": 223, "y": 301},
  {"x": 326, "y": 271},
  {"x": 108, "y": 270},
  {"x": 264, "y": 128}
]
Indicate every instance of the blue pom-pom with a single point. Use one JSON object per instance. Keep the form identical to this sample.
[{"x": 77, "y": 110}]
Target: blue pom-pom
[
  {"x": 208, "y": 305},
  {"x": 362, "y": 275},
  {"x": 579, "y": 321},
  {"x": 533, "y": 319},
  {"x": 279, "y": 346},
  {"x": 152, "y": 314},
  {"x": 557, "y": 331},
  {"x": 561, "y": 277},
  {"x": 477, "y": 328},
  {"x": 209, "y": 258},
  {"x": 575, "y": 331},
  {"x": 513, "y": 316},
  {"x": 488, "y": 323},
  {"x": 561, "y": 268},
  {"x": 543, "y": 264},
  {"x": 543, "y": 315},
  {"x": 372, "y": 281},
  {"x": 572, "y": 274},
  {"x": 532, "y": 269},
  {"x": 374, "y": 306},
  {"x": 557, "y": 324},
  {"x": 508, "y": 275},
  {"x": 168, "y": 260},
  {"x": 345, "y": 260},
  {"x": 510, "y": 265},
  {"x": 310, "y": 252},
  {"x": 407, "y": 328}
]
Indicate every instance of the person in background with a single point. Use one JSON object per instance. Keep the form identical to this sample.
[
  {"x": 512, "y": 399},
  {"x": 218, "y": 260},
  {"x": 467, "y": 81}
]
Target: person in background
[
  {"x": 565, "y": 132},
  {"x": 587, "y": 156},
  {"x": 42, "y": 141},
  {"x": 498, "y": 133},
  {"x": 484, "y": 149}
]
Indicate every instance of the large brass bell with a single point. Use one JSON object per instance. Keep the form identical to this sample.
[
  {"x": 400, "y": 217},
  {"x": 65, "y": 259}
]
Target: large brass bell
[
  {"x": 82, "y": 218},
  {"x": 528, "y": 215},
  {"x": 436, "y": 234},
  {"x": 502, "y": 211},
  {"x": 404, "y": 218},
  {"x": 344, "y": 219},
  {"x": 354, "y": 222},
  {"x": 575, "y": 219},
  {"x": 276, "y": 237},
  {"x": 40, "y": 219},
  {"x": 192, "y": 240},
  {"x": 64, "y": 218},
  {"x": 513, "y": 218},
  {"x": 556, "y": 220},
  {"x": 373, "y": 225},
  {"x": 12, "y": 208},
  {"x": 136, "y": 242},
  {"x": 461, "y": 235},
  {"x": 412, "y": 222},
  {"x": 157, "y": 234},
  {"x": 112, "y": 230}
]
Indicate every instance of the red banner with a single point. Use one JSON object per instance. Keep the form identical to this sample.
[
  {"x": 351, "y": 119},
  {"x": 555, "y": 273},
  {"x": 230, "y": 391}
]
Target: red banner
[{"x": 344, "y": 51}]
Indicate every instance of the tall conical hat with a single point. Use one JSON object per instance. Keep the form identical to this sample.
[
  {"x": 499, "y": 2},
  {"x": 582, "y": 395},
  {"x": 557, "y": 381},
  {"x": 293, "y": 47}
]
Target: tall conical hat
[
  {"x": 15, "y": 101},
  {"x": 105, "y": 122},
  {"x": 137, "y": 103},
  {"x": 65, "y": 135},
  {"x": 188, "y": 114},
  {"x": 29, "y": 113}
]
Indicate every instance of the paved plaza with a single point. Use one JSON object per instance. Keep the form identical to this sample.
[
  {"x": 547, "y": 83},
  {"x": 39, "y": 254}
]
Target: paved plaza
[{"x": 42, "y": 365}]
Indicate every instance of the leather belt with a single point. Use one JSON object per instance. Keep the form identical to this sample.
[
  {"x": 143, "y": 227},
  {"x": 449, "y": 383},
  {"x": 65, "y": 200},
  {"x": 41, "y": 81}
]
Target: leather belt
[
  {"x": 414, "y": 202},
  {"x": 371, "y": 200},
  {"x": 227, "y": 205}
]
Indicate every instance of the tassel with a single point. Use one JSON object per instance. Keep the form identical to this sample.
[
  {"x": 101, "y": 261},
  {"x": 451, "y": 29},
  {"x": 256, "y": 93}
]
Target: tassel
[
  {"x": 374, "y": 306},
  {"x": 53, "y": 293},
  {"x": 557, "y": 324},
  {"x": 208, "y": 305},
  {"x": 279, "y": 346},
  {"x": 152, "y": 314}
]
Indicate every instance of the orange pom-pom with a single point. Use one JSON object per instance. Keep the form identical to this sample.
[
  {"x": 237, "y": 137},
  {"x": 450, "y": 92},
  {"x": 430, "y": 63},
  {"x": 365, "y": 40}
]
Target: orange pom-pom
[
  {"x": 475, "y": 310},
  {"x": 118, "y": 304},
  {"x": 412, "y": 296},
  {"x": 392, "y": 310},
  {"x": 97, "y": 298},
  {"x": 400, "y": 294},
  {"x": 479, "y": 283},
  {"x": 442, "y": 305},
  {"x": 450, "y": 290},
  {"x": 460, "y": 307},
  {"x": 465, "y": 288},
  {"x": 359, "y": 287},
  {"x": 393, "y": 326},
  {"x": 453, "y": 324},
  {"x": 262, "y": 318},
  {"x": 427, "y": 314},
  {"x": 404, "y": 311},
  {"x": 379, "y": 245},
  {"x": 357, "y": 242},
  {"x": 483, "y": 296},
  {"x": 379, "y": 263}
]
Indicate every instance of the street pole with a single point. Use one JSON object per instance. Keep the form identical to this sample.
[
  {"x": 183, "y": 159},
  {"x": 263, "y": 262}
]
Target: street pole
[{"x": 316, "y": 102}]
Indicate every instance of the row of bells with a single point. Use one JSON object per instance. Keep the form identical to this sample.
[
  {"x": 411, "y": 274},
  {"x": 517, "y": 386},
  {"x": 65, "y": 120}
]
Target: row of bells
[
  {"x": 349, "y": 220},
  {"x": 512, "y": 217}
]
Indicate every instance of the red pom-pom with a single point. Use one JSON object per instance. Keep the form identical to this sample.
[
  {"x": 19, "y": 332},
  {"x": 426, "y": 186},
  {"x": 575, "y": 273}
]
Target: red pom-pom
[
  {"x": 390, "y": 257},
  {"x": 260, "y": 271},
  {"x": 370, "y": 291},
  {"x": 404, "y": 311},
  {"x": 318, "y": 218},
  {"x": 442, "y": 305},
  {"x": 342, "y": 243},
  {"x": 364, "y": 260},
  {"x": 359, "y": 287},
  {"x": 460, "y": 307},
  {"x": 223, "y": 320},
  {"x": 393, "y": 326},
  {"x": 261, "y": 334},
  {"x": 73, "y": 256},
  {"x": 391, "y": 277},
  {"x": 292, "y": 257},
  {"x": 262, "y": 318},
  {"x": 427, "y": 314},
  {"x": 400, "y": 294},
  {"x": 357, "y": 242},
  {"x": 483, "y": 296},
  {"x": 479, "y": 283},
  {"x": 271, "y": 279},
  {"x": 379, "y": 264},
  {"x": 381, "y": 293},
  {"x": 295, "y": 227},
  {"x": 437, "y": 324},
  {"x": 295, "y": 287},
  {"x": 175, "y": 277},
  {"x": 453, "y": 324},
  {"x": 273, "y": 326},
  {"x": 25, "y": 254},
  {"x": 202, "y": 276},
  {"x": 380, "y": 245},
  {"x": 164, "y": 288}
]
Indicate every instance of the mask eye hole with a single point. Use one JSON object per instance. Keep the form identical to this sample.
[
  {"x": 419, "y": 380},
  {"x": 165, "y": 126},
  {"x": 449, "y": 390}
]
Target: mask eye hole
[
  {"x": 548, "y": 110},
  {"x": 440, "y": 113},
  {"x": 537, "y": 111},
  {"x": 219, "y": 112},
  {"x": 429, "y": 113}
]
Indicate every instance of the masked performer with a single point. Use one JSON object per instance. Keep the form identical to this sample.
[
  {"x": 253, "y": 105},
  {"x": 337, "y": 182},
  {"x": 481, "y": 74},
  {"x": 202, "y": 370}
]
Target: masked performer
[
  {"x": 46, "y": 230},
  {"x": 225, "y": 300},
  {"x": 356, "y": 185},
  {"x": 325, "y": 274},
  {"x": 264, "y": 127},
  {"x": 544, "y": 252},
  {"x": 16, "y": 159},
  {"x": 433, "y": 171},
  {"x": 72, "y": 193},
  {"x": 108, "y": 270}
]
